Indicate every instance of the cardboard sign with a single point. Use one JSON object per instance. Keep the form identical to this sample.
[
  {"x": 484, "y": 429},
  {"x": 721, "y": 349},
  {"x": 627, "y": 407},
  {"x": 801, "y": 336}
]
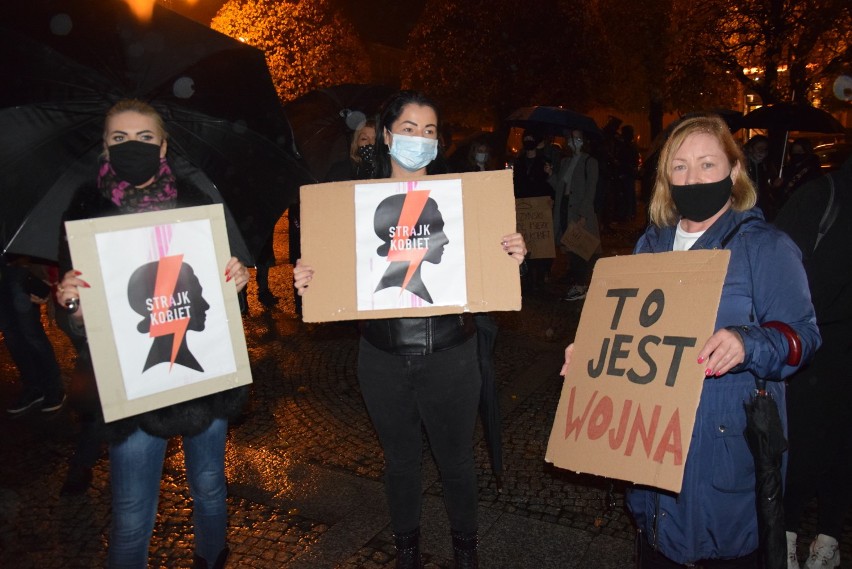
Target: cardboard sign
[
  {"x": 629, "y": 399},
  {"x": 535, "y": 223},
  {"x": 162, "y": 323},
  {"x": 409, "y": 248},
  {"x": 580, "y": 241}
]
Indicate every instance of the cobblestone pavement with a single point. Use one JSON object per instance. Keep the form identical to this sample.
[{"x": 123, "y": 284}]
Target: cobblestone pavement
[{"x": 304, "y": 465}]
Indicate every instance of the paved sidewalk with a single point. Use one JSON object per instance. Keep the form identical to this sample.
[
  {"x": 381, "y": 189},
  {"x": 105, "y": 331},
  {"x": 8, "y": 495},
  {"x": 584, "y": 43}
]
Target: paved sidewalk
[{"x": 304, "y": 465}]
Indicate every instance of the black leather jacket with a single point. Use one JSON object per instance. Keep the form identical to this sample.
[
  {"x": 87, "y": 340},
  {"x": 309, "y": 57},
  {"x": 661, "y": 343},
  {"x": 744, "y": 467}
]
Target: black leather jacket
[{"x": 418, "y": 336}]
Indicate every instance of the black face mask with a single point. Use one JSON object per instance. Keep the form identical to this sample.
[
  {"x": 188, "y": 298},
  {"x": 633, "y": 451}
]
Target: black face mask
[
  {"x": 134, "y": 161},
  {"x": 698, "y": 202},
  {"x": 367, "y": 153}
]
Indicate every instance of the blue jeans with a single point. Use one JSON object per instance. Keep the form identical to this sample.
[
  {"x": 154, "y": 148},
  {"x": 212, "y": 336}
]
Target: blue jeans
[
  {"x": 20, "y": 323},
  {"x": 136, "y": 467},
  {"x": 440, "y": 392}
]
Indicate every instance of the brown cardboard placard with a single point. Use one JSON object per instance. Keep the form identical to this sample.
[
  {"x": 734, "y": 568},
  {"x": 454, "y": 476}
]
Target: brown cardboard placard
[
  {"x": 479, "y": 208},
  {"x": 162, "y": 323},
  {"x": 580, "y": 241},
  {"x": 629, "y": 399},
  {"x": 535, "y": 223}
]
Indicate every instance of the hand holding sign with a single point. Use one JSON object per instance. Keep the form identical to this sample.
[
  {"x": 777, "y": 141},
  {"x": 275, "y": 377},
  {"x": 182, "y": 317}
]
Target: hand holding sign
[{"x": 722, "y": 352}]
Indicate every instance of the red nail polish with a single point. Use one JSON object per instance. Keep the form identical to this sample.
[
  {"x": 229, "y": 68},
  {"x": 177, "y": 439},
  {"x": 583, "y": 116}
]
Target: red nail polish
[
  {"x": 77, "y": 273},
  {"x": 228, "y": 279},
  {"x": 700, "y": 359},
  {"x": 708, "y": 372}
]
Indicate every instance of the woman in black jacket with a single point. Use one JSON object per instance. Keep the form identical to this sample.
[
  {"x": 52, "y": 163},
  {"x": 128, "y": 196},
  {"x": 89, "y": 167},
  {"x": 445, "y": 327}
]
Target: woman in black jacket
[
  {"x": 421, "y": 372},
  {"x": 134, "y": 177}
]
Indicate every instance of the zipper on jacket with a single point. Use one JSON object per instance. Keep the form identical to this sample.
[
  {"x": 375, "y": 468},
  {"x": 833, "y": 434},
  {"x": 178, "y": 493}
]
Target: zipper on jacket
[{"x": 656, "y": 523}]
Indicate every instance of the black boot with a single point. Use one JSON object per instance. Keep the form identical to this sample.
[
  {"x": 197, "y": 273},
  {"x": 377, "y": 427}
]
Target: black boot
[
  {"x": 199, "y": 562},
  {"x": 465, "y": 547},
  {"x": 408, "y": 550}
]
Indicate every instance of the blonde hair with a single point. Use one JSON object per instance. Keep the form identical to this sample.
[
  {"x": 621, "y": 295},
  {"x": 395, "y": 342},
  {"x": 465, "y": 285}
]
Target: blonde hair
[
  {"x": 137, "y": 106},
  {"x": 662, "y": 209},
  {"x": 353, "y": 148}
]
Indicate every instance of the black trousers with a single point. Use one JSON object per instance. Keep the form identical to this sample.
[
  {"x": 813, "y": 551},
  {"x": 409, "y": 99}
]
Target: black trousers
[
  {"x": 440, "y": 392},
  {"x": 819, "y": 400}
]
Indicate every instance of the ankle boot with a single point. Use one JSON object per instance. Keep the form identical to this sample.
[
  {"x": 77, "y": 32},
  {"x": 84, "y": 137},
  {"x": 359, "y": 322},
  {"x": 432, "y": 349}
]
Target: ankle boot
[
  {"x": 199, "y": 562},
  {"x": 465, "y": 547},
  {"x": 408, "y": 550}
]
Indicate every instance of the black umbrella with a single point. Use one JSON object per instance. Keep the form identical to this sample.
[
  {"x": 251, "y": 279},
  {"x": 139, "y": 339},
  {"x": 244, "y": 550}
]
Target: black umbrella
[
  {"x": 792, "y": 117},
  {"x": 553, "y": 120},
  {"x": 731, "y": 117},
  {"x": 324, "y": 120},
  {"x": 765, "y": 436},
  {"x": 489, "y": 402},
  {"x": 67, "y": 62}
]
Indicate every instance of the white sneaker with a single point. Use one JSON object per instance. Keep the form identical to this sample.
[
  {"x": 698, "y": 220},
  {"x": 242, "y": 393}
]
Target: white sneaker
[
  {"x": 824, "y": 553},
  {"x": 792, "y": 559}
]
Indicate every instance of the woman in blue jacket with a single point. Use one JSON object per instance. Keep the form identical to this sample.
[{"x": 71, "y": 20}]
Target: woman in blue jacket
[{"x": 703, "y": 199}]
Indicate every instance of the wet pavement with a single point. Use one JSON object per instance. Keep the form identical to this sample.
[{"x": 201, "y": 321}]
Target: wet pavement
[{"x": 304, "y": 465}]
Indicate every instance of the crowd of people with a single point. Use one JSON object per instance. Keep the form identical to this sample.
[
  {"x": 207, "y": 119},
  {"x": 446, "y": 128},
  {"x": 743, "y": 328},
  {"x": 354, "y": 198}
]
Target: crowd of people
[{"x": 783, "y": 327}]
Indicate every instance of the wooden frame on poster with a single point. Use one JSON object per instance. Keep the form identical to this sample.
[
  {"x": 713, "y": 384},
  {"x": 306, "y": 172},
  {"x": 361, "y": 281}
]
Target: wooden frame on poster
[{"x": 153, "y": 343}]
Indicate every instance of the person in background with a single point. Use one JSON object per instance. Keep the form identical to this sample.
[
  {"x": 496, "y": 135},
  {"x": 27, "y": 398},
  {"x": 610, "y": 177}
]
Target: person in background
[
  {"x": 703, "y": 199},
  {"x": 421, "y": 372},
  {"x": 480, "y": 158},
  {"x": 574, "y": 186},
  {"x": 24, "y": 287},
  {"x": 529, "y": 175},
  {"x": 135, "y": 176},
  {"x": 266, "y": 260},
  {"x": 802, "y": 167},
  {"x": 818, "y": 217},
  {"x": 763, "y": 174},
  {"x": 361, "y": 161}
]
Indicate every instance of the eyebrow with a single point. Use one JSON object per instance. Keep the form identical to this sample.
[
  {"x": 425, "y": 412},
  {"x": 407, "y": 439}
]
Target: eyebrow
[
  {"x": 147, "y": 130},
  {"x": 415, "y": 124},
  {"x": 699, "y": 157}
]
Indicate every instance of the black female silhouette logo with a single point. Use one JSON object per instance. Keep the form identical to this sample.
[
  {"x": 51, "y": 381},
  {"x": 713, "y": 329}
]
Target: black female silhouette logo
[
  {"x": 167, "y": 294},
  {"x": 412, "y": 229}
]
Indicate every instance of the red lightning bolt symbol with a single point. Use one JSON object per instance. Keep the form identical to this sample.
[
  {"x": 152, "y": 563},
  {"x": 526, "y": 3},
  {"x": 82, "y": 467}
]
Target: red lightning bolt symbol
[
  {"x": 168, "y": 270},
  {"x": 412, "y": 207}
]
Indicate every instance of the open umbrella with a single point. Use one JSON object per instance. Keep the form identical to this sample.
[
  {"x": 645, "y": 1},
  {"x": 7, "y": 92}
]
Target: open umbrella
[
  {"x": 323, "y": 121},
  {"x": 792, "y": 117},
  {"x": 553, "y": 120},
  {"x": 67, "y": 62}
]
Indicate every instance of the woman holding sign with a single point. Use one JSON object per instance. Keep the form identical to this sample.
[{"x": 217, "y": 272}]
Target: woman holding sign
[
  {"x": 421, "y": 372},
  {"x": 765, "y": 329},
  {"x": 134, "y": 177}
]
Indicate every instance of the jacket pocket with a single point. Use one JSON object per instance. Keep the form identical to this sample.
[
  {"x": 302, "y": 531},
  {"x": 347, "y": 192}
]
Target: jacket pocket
[{"x": 733, "y": 464}]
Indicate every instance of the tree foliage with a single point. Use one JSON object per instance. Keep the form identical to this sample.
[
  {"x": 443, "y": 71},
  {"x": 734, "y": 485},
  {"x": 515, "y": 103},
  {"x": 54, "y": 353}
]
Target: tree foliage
[
  {"x": 307, "y": 44},
  {"x": 794, "y": 44},
  {"x": 484, "y": 58}
]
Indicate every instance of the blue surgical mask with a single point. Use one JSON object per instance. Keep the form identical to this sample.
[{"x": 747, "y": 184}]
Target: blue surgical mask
[{"x": 413, "y": 152}]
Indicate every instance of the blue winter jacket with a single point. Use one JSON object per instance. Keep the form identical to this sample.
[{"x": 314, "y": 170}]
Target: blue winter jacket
[{"x": 714, "y": 516}]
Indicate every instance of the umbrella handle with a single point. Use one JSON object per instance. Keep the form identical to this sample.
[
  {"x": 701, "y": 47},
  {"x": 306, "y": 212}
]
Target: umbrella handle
[{"x": 794, "y": 344}]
